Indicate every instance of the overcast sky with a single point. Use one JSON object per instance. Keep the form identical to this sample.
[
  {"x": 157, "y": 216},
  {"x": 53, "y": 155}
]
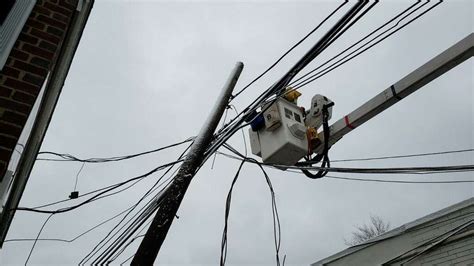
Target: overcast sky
[{"x": 146, "y": 74}]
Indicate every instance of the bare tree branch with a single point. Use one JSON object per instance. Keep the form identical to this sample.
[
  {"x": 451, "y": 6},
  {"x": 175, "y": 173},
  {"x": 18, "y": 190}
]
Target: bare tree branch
[{"x": 365, "y": 232}]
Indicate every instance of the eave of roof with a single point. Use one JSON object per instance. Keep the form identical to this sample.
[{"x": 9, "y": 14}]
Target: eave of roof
[
  {"x": 51, "y": 94},
  {"x": 399, "y": 230}
]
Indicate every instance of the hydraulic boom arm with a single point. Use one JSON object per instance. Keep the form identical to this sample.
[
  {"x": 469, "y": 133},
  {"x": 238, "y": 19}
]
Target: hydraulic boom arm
[{"x": 434, "y": 68}]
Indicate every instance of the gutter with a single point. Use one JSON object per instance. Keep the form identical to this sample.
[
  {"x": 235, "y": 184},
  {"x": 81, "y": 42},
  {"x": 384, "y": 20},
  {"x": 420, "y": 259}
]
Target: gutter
[{"x": 48, "y": 103}]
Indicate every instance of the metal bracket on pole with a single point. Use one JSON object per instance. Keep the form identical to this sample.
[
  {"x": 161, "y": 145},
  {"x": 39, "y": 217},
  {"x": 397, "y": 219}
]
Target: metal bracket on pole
[{"x": 156, "y": 233}]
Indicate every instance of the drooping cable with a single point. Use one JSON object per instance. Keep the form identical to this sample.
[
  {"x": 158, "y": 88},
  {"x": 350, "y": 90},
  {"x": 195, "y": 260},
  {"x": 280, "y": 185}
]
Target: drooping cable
[
  {"x": 37, "y": 237},
  {"x": 67, "y": 157},
  {"x": 325, "y": 154},
  {"x": 72, "y": 239},
  {"x": 226, "y": 217},
  {"x": 145, "y": 211},
  {"x": 276, "y": 219},
  {"x": 91, "y": 199}
]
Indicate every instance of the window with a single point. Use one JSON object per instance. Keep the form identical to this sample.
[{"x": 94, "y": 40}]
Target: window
[
  {"x": 297, "y": 117},
  {"x": 288, "y": 113},
  {"x": 5, "y": 7}
]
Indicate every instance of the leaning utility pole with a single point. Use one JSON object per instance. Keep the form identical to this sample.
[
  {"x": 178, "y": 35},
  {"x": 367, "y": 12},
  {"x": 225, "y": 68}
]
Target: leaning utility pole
[{"x": 156, "y": 233}]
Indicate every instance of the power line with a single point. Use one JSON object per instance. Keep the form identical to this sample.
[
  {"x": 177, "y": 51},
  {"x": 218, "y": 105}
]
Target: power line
[
  {"x": 68, "y": 157},
  {"x": 392, "y": 170},
  {"x": 403, "y": 156},
  {"x": 72, "y": 239},
  {"x": 347, "y": 58},
  {"x": 36, "y": 240},
  {"x": 278, "y": 87},
  {"x": 276, "y": 219},
  {"x": 291, "y": 49},
  {"x": 400, "y": 181},
  {"x": 398, "y": 156},
  {"x": 77, "y": 176},
  {"x": 93, "y": 198},
  {"x": 356, "y": 43},
  {"x": 363, "y": 179},
  {"x": 138, "y": 216}
]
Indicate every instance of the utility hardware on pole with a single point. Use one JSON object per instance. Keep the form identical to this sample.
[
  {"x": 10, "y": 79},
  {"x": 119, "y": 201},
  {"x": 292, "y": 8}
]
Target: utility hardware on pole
[
  {"x": 156, "y": 233},
  {"x": 277, "y": 135}
]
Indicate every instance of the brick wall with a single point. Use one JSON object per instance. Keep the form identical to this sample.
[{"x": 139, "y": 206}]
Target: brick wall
[{"x": 32, "y": 57}]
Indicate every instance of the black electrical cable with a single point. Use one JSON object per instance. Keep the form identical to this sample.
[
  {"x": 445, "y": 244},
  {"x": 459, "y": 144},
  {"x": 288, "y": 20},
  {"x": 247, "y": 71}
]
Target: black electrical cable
[
  {"x": 287, "y": 78},
  {"x": 144, "y": 212},
  {"x": 72, "y": 239},
  {"x": 111, "y": 233},
  {"x": 325, "y": 154},
  {"x": 105, "y": 188},
  {"x": 291, "y": 49},
  {"x": 100, "y": 193},
  {"x": 350, "y": 24},
  {"x": 400, "y": 181},
  {"x": 139, "y": 215},
  {"x": 398, "y": 170},
  {"x": 37, "y": 237},
  {"x": 240, "y": 158},
  {"x": 139, "y": 235},
  {"x": 105, "y": 257},
  {"x": 280, "y": 85},
  {"x": 402, "y": 156},
  {"x": 242, "y": 130},
  {"x": 77, "y": 175},
  {"x": 226, "y": 216},
  {"x": 68, "y": 157},
  {"x": 349, "y": 57},
  {"x": 292, "y": 84},
  {"x": 276, "y": 219},
  {"x": 231, "y": 129}
]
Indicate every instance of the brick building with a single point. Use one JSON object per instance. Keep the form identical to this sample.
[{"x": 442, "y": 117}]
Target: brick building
[
  {"x": 38, "y": 39},
  {"x": 445, "y": 237}
]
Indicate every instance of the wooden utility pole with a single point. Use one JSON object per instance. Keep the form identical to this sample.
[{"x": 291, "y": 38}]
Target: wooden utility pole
[{"x": 156, "y": 233}]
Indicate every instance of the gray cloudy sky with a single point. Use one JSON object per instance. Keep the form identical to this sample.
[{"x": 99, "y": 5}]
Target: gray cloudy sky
[{"x": 146, "y": 75}]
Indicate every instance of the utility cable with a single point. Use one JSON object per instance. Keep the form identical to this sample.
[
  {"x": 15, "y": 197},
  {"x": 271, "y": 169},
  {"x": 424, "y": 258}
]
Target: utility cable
[
  {"x": 292, "y": 84},
  {"x": 357, "y": 52},
  {"x": 360, "y": 179},
  {"x": 72, "y": 239},
  {"x": 77, "y": 176},
  {"x": 402, "y": 156},
  {"x": 37, "y": 237},
  {"x": 280, "y": 85},
  {"x": 112, "y": 234},
  {"x": 99, "y": 194},
  {"x": 276, "y": 219},
  {"x": 67, "y": 157},
  {"x": 291, "y": 49}
]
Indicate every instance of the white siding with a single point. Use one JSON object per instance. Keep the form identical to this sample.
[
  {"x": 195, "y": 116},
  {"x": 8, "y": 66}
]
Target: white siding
[
  {"x": 460, "y": 252},
  {"x": 456, "y": 253},
  {"x": 12, "y": 26}
]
